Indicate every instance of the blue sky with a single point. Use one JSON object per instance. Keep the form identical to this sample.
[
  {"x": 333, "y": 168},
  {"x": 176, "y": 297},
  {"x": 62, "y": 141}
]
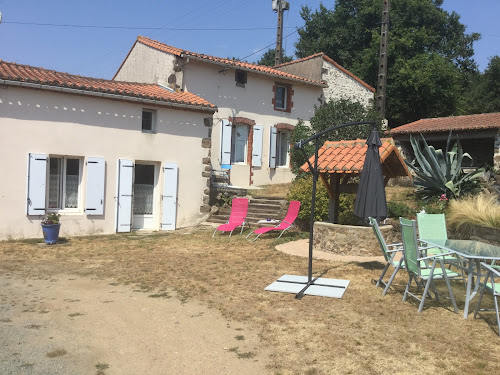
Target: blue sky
[{"x": 98, "y": 52}]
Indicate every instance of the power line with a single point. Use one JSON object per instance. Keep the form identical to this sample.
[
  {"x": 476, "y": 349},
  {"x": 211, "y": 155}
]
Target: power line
[{"x": 142, "y": 28}]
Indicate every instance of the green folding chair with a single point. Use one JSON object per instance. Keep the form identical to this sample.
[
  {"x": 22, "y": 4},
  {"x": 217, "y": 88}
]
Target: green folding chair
[
  {"x": 433, "y": 226},
  {"x": 389, "y": 252},
  {"x": 493, "y": 288},
  {"x": 413, "y": 258}
]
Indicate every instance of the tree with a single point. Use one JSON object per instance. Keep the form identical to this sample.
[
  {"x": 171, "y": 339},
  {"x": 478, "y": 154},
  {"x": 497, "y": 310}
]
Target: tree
[
  {"x": 335, "y": 112},
  {"x": 421, "y": 33},
  {"x": 268, "y": 58},
  {"x": 485, "y": 93}
]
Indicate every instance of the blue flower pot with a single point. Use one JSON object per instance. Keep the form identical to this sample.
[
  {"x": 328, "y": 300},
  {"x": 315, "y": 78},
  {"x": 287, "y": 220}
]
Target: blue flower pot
[{"x": 51, "y": 233}]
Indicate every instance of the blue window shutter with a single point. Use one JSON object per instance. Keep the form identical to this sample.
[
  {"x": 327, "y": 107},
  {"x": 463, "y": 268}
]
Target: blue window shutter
[
  {"x": 94, "y": 202},
  {"x": 225, "y": 142},
  {"x": 169, "y": 197},
  {"x": 272, "y": 147},
  {"x": 125, "y": 174},
  {"x": 258, "y": 133},
  {"x": 37, "y": 181}
]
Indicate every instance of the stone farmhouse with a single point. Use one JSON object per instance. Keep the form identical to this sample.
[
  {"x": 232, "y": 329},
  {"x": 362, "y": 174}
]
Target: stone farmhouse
[{"x": 257, "y": 105}]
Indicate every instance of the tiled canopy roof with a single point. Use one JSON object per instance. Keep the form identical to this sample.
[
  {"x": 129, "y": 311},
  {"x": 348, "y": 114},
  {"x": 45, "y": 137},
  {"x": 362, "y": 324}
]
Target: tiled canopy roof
[
  {"x": 349, "y": 157},
  {"x": 44, "y": 78},
  {"x": 444, "y": 124},
  {"x": 234, "y": 63},
  {"x": 334, "y": 63}
]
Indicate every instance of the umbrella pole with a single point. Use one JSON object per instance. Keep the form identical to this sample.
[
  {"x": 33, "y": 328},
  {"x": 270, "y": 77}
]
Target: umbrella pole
[{"x": 300, "y": 294}]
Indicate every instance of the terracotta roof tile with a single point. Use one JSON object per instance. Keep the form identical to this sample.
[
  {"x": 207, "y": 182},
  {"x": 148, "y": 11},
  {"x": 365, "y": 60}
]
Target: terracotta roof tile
[
  {"x": 50, "y": 78},
  {"x": 334, "y": 63},
  {"x": 445, "y": 124},
  {"x": 349, "y": 157},
  {"x": 237, "y": 64}
]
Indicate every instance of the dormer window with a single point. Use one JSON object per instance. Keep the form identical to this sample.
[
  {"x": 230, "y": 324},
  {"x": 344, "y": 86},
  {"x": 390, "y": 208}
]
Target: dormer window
[
  {"x": 148, "y": 121},
  {"x": 280, "y": 97},
  {"x": 240, "y": 76}
]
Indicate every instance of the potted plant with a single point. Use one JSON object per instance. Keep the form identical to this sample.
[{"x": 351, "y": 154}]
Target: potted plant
[{"x": 50, "y": 228}]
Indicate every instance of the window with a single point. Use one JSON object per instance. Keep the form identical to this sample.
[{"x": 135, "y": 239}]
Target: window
[
  {"x": 240, "y": 76},
  {"x": 281, "y": 97},
  {"x": 239, "y": 144},
  {"x": 64, "y": 183},
  {"x": 148, "y": 121},
  {"x": 282, "y": 147}
]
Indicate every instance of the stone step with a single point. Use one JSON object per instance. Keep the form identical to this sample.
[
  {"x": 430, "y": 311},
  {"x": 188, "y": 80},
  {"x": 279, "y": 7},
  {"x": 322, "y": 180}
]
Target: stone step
[{"x": 269, "y": 198}]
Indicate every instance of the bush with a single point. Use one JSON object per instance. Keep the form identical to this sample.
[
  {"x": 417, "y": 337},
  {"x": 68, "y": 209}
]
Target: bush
[
  {"x": 301, "y": 190},
  {"x": 397, "y": 209},
  {"x": 482, "y": 210}
]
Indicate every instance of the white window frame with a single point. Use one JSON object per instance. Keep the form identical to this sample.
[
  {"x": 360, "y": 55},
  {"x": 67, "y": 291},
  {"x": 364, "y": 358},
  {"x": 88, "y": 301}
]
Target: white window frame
[
  {"x": 279, "y": 135},
  {"x": 153, "y": 120},
  {"x": 79, "y": 208},
  {"x": 233, "y": 144},
  {"x": 285, "y": 97}
]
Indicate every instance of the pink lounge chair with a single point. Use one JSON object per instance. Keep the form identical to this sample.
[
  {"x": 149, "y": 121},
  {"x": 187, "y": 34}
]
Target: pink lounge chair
[
  {"x": 287, "y": 223},
  {"x": 239, "y": 208}
]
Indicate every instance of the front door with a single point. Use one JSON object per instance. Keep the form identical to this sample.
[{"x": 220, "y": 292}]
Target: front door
[{"x": 144, "y": 192}]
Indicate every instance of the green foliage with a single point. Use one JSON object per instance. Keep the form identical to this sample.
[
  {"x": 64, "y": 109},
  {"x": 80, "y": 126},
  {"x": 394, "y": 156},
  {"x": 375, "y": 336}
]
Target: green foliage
[
  {"x": 269, "y": 58},
  {"x": 301, "y": 190},
  {"x": 51, "y": 218},
  {"x": 335, "y": 112},
  {"x": 425, "y": 43},
  {"x": 398, "y": 209},
  {"x": 485, "y": 92},
  {"x": 440, "y": 173}
]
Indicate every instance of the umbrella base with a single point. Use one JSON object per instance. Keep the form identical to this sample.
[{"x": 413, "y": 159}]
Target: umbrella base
[{"x": 321, "y": 287}]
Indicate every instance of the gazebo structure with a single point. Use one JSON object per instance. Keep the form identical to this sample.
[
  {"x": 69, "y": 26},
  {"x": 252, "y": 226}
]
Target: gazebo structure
[{"x": 340, "y": 161}]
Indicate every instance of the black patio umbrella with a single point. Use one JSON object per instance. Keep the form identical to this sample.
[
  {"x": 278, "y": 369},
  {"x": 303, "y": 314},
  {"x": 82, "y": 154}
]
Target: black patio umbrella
[{"x": 370, "y": 198}]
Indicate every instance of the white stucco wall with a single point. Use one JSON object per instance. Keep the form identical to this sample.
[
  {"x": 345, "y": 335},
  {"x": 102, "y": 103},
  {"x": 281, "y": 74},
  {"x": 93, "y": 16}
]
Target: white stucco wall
[
  {"x": 36, "y": 121},
  {"x": 254, "y": 101},
  {"x": 341, "y": 85}
]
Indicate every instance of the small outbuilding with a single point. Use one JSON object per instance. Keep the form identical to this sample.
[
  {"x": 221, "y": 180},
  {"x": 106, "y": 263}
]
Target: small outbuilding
[{"x": 479, "y": 135}]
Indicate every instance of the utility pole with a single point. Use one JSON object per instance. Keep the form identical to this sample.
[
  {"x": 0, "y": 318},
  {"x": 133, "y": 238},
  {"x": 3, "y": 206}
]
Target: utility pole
[
  {"x": 279, "y": 6},
  {"x": 382, "y": 67}
]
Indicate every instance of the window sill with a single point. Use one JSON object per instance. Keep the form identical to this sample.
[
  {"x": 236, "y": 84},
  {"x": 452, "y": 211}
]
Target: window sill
[{"x": 65, "y": 212}]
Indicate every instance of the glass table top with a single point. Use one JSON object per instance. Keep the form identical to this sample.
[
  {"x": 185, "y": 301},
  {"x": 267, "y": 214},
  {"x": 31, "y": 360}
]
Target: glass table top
[{"x": 468, "y": 248}]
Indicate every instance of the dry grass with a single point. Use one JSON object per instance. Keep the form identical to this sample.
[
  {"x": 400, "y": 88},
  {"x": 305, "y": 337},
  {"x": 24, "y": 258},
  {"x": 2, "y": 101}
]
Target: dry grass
[
  {"x": 482, "y": 210},
  {"x": 362, "y": 333},
  {"x": 276, "y": 190}
]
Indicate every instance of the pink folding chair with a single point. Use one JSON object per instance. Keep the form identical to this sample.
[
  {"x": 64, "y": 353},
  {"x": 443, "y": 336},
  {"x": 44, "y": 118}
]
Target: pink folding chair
[
  {"x": 239, "y": 208},
  {"x": 287, "y": 223}
]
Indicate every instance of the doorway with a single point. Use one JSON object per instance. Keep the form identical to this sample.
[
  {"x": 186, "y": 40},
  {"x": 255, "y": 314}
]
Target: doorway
[{"x": 145, "y": 180}]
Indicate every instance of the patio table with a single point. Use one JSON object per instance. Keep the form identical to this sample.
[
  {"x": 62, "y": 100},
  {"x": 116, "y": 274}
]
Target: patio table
[{"x": 474, "y": 252}]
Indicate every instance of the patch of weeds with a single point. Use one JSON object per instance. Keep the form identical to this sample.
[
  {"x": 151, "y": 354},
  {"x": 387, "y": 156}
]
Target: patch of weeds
[
  {"x": 240, "y": 337},
  {"x": 27, "y": 365},
  {"x": 160, "y": 295},
  {"x": 56, "y": 353},
  {"x": 44, "y": 311},
  {"x": 114, "y": 284},
  {"x": 312, "y": 371},
  {"x": 102, "y": 366},
  {"x": 107, "y": 301},
  {"x": 71, "y": 300},
  {"x": 203, "y": 290},
  {"x": 34, "y": 326},
  {"x": 6, "y": 320},
  {"x": 197, "y": 315},
  {"x": 238, "y": 329},
  {"x": 481, "y": 365},
  {"x": 246, "y": 355},
  {"x": 75, "y": 314},
  {"x": 233, "y": 349}
]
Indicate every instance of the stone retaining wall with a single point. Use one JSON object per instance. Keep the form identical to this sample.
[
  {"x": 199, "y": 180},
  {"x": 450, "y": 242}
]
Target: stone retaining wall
[{"x": 349, "y": 239}]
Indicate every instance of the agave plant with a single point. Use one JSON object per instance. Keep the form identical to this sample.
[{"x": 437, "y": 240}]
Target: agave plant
[{"x": 439, "y": 172}]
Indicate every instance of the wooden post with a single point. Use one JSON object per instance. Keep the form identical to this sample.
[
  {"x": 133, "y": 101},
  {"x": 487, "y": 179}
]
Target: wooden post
[{"x": 333, "y": 205}]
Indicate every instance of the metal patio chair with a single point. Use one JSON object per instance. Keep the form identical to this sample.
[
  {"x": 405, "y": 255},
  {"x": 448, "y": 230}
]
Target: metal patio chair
[
  {"x": 413, "y": 258},
  {"x": 286, "y": 223},
  {"x": 239, "y": 209},
  {"x": 493, "y": 288}
]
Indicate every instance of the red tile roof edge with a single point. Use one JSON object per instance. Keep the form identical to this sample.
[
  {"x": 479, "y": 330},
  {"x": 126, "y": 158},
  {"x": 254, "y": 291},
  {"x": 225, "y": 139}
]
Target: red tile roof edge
[
  {"x": 262, "y": 69},
  {"x": 334, "y": 63},
  {"x": 46, "y": 78},
  {"x": 445, "y": 124}
]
